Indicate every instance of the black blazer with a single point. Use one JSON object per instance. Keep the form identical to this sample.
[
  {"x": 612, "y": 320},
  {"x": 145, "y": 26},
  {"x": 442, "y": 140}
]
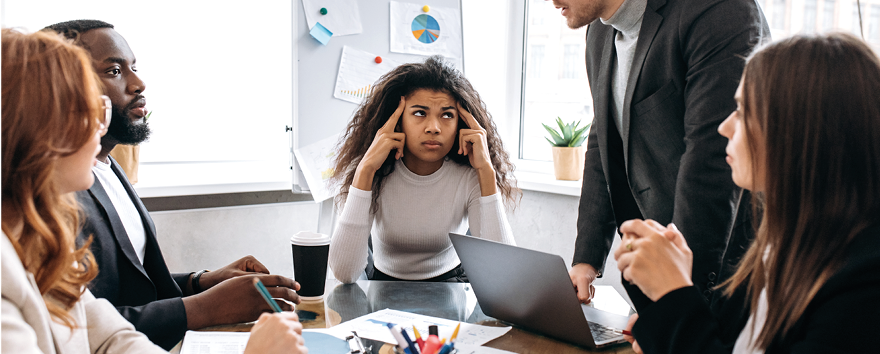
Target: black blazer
[
  {"x": 842, "y": 318},
  {"x": 668, "y": 163},
  {"x": 147, "y": 295}
]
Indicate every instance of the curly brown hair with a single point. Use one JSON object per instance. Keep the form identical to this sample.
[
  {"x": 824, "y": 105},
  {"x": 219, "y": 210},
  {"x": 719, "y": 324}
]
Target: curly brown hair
[{"x": 436, "y": 75}]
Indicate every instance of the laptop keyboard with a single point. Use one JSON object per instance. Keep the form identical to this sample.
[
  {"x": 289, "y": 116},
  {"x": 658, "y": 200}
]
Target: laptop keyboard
[{"x": 602, "y": 333}]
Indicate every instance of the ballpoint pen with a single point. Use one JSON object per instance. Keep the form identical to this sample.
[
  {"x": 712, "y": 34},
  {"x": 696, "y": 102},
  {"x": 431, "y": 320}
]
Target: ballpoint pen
[
  {"x": 403, "y": 344},
  {"x": 265, "y": 293},
  {"x": 412, "y": 345}
]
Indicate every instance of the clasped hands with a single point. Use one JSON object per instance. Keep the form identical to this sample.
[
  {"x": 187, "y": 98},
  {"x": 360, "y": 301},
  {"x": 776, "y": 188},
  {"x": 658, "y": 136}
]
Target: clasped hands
[{"x": 655, "y": 258}]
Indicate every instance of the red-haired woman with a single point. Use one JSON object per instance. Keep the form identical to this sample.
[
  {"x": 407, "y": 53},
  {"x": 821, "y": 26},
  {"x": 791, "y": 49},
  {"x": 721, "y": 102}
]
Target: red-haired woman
[{"x": 53, "y": 119}]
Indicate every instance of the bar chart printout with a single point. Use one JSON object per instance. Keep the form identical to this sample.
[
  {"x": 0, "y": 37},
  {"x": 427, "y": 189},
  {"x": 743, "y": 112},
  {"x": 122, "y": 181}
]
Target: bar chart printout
[{"x": 358, "y": 72}]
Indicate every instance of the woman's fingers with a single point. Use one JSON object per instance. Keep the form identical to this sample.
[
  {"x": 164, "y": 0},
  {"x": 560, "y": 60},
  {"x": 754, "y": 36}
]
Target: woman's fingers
[
  {"x": 625, "y": 245},
  {"x": 641, "y": 228},
  {"x": 474, "y": 137},
  {"x": 397, "y": 143},
  {"x": 624, "y": 262},
  {"x": 468, "y": 118},
  {"x": 677, "y": 238},
  {"x": 391, "y": 123}
]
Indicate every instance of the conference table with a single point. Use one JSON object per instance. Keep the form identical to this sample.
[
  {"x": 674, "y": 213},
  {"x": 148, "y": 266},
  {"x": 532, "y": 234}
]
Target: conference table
[{"x": 453, "y": 301}]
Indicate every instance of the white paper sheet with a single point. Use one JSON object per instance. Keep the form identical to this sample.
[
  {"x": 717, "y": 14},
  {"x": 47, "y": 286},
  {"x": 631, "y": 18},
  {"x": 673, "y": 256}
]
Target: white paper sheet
[
  {"x": 214, "y": 342},
  {"x": 358, "y": 71},
  {"x": 373, "y": 326},
  {"x": 316, "y": 162},
  {"x": 414, "y": 31},
  {"x": 342, "y": 18},
  {"x": 234, "y": 342},
  {"x": 476, "y": 349}
]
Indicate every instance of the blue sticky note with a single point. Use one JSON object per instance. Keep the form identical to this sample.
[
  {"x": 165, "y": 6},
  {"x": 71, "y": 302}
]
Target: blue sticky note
[{"x": 321, "y": 33}]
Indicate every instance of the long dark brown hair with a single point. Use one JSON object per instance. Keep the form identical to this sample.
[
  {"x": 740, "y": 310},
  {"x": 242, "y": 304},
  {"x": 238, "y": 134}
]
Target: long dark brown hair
[
  {"x": 436, "y": 75},
  {"x": 812, "y": 103},
  {"x": 51, "y": 106}
]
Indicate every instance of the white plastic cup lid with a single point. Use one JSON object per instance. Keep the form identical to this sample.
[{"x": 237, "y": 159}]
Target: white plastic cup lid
[{"x": 308, "y": 238}]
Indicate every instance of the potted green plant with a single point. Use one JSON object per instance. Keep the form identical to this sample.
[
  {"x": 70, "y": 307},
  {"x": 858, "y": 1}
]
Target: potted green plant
[{"x": 568, "y": 150}]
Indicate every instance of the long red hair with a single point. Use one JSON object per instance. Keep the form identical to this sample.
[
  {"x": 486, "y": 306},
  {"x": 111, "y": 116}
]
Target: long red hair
[{"x": 51, "y": 104}]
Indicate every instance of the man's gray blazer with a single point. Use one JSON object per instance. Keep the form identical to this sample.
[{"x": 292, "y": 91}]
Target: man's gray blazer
[{"x": 667, "y": 163}]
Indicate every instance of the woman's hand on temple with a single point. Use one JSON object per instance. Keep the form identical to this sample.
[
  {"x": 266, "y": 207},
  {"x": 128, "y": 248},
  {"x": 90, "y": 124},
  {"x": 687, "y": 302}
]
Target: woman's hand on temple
[
  {"x": 386, "y": 140},
  {"x": 472, "y": 143},
  {"x": 657, "y": 259}
]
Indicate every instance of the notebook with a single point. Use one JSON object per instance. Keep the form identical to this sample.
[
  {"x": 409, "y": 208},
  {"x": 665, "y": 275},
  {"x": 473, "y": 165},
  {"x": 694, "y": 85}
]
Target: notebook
[{"x": 533, "y": 290}]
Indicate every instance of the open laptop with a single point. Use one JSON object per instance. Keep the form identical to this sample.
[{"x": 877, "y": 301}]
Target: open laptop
[{"x": 532, "y": 289}]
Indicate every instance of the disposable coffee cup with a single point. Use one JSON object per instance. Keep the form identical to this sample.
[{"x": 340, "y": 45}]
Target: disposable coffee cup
[{"x": 310, "y": 253}]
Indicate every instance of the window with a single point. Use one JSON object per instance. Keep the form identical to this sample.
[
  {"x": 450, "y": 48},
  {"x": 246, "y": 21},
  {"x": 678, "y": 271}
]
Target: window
[
  {"x": 779, "y": 9},
  {"x": 789, "y": 17},
  {"x": 551, "y": 48},
  {"x": 555, "y": 82},
  {"x": 810, "y": 13},
  {"x": 536, "y": 61},
  {"x": 828, "y": 15},
  {"x": 212, "y": 133},
  {"x": 874, "y": 26},
  {"x": 573, "y": 62},
  {"x": 857, "y": 19}
]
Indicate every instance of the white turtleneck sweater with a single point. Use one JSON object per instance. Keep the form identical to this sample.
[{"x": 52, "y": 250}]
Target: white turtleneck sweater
[{"x": 411, "y": 226}]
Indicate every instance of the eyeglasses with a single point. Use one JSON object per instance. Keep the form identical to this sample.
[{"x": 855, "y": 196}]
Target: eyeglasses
[{"x": 108, "y": 113}]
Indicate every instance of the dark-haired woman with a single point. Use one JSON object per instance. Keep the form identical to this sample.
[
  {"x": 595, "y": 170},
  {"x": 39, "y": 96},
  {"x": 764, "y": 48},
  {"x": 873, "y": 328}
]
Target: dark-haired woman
[
  {"x": 806, "y": 139},
  {"x": 420, "y": 159}
]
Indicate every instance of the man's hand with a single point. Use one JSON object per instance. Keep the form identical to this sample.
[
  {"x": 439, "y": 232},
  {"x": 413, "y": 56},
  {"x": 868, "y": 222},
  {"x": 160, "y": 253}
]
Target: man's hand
[
  {"x": 631, "y": 339},
  {"x": 582, "y": 277},
  {"x": 277, "y": 333},
  {"x": 236, "y": 300},
  {"x": 244, "y": 266}
]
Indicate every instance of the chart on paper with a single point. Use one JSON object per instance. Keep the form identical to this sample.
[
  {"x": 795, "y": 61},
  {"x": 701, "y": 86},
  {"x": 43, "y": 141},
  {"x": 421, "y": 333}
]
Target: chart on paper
[
  {"x": 425, "y": 28},
  {"x": 358, "y": 71}
]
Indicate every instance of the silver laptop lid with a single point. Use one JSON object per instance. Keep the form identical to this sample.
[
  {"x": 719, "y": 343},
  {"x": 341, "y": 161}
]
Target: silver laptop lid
[{"x": 528, "y": 288}]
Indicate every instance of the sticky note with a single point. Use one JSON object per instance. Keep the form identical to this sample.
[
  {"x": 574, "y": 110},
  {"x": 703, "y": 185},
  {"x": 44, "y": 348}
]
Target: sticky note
[{"x": 321, "y": 33}]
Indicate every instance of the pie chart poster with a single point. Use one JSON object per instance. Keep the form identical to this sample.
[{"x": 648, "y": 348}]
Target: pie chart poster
[{"x": 414, "y": 31}]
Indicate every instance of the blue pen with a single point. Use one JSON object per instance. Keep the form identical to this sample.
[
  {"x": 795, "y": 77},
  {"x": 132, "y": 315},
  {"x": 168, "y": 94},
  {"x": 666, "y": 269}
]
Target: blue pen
[
  {"x": 402, "y": 343},
  {"x": 412, "y": 347},
  {"x": 265, "y": 293}
]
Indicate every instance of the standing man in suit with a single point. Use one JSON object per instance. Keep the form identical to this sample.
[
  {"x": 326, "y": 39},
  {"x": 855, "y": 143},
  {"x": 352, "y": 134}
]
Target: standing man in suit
[
  {"x": 662, "y": 74},
  {"x": 132, "y": 272}
]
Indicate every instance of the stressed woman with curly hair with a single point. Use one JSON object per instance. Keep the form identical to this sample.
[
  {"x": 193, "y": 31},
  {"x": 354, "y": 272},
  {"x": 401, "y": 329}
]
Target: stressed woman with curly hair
[{"x": 420, "y": 158}]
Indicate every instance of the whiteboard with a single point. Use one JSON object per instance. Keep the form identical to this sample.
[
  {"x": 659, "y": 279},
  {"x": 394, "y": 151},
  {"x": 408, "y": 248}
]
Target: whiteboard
[{"x": 317, "y": 114}]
